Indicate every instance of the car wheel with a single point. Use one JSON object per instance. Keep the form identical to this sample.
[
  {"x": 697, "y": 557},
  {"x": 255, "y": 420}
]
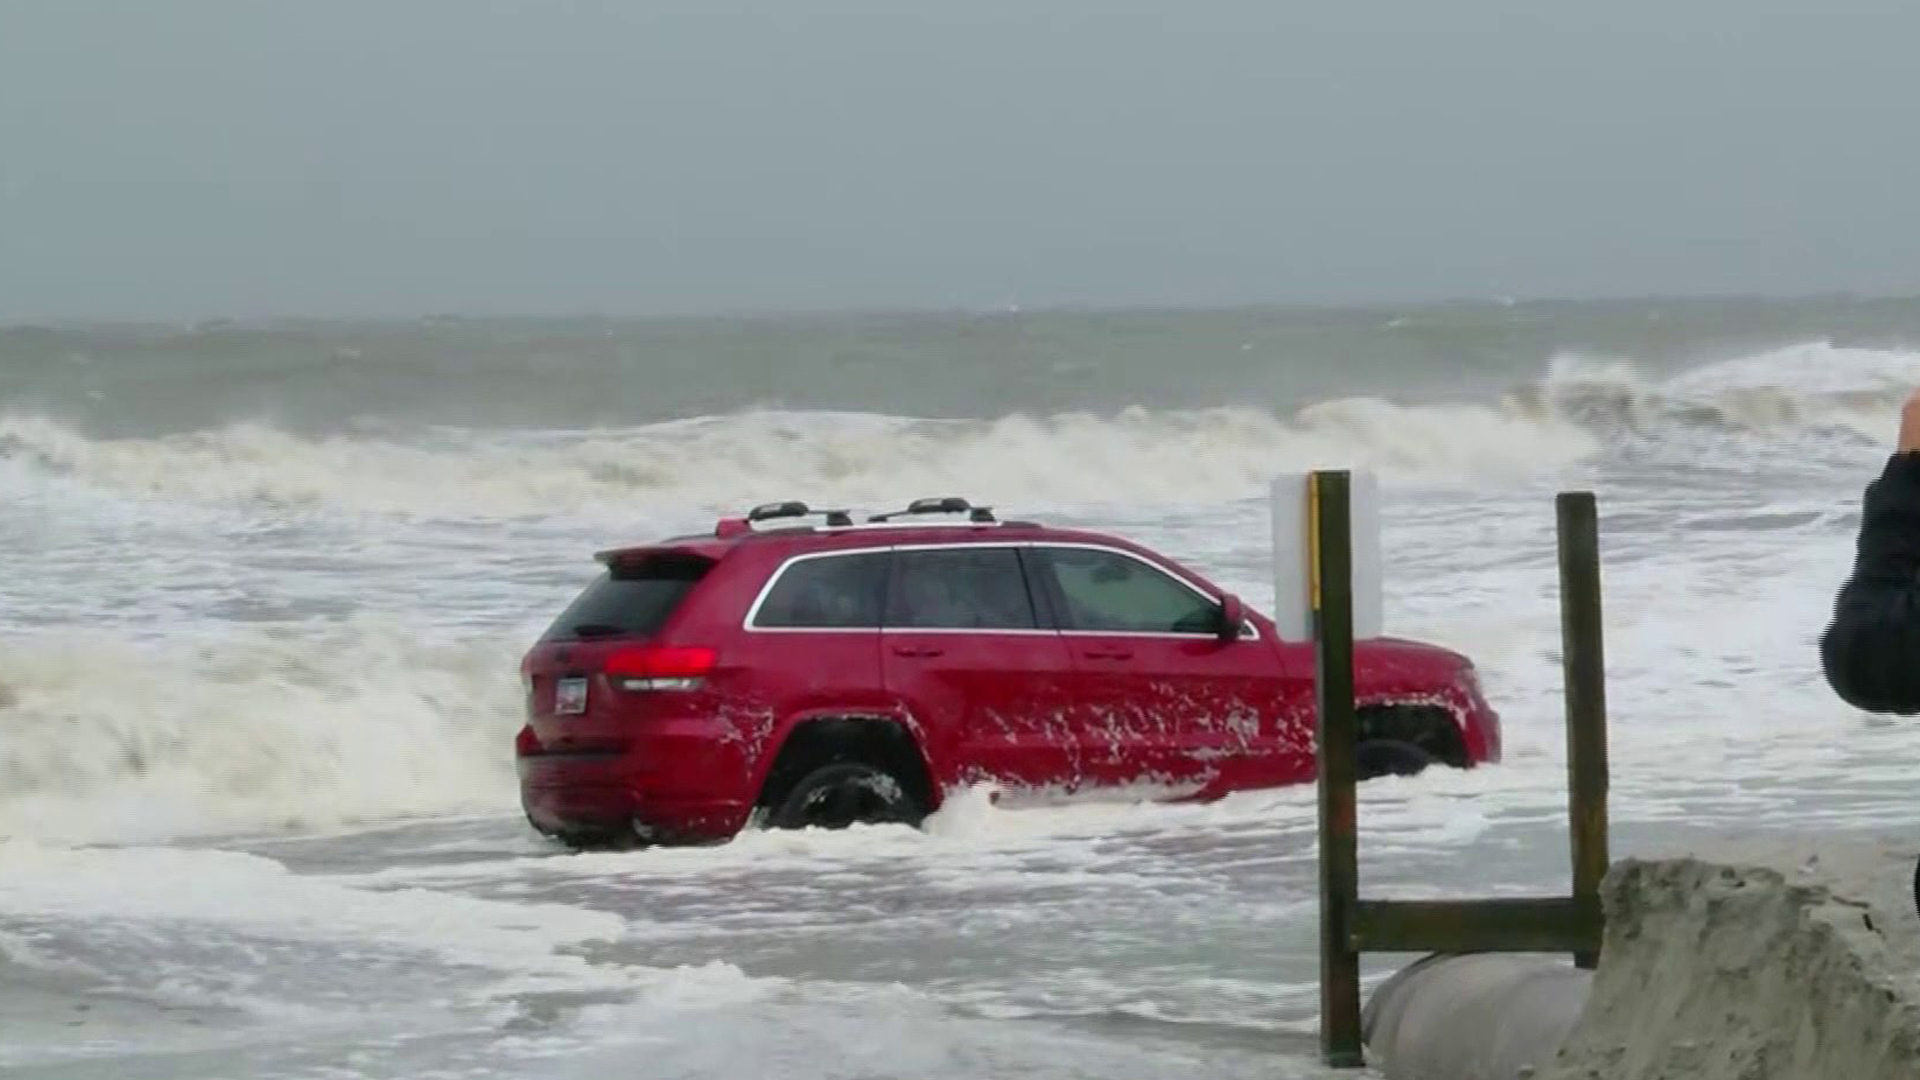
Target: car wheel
[
  {"x": 847, "y": 793},
  {"x": 1390, "y": 757}
]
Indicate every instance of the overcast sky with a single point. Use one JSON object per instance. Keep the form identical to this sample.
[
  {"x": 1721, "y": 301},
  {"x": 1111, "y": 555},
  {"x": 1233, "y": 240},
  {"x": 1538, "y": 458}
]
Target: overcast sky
[{"x": 393, "y": 157}]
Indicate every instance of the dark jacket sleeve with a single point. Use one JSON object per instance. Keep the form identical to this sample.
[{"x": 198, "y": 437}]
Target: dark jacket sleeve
[{"x": 1871, "y": 650}]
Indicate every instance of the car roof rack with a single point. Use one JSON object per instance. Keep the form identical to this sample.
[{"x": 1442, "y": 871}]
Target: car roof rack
[
  {"x": 780, "y": 511},
  {"x": 950, "y": 504},
  {"x": 796, "y": 509}
]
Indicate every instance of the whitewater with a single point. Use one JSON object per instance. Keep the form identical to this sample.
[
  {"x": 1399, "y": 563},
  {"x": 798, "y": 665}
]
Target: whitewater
[{"x": 263, "y": 594}]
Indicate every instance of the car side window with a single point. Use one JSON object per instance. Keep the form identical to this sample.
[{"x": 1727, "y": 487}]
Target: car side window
[
  {"x": 827, "y": 592},
  {"x": 963, "y": 588},
  {"x": 1107, "y": 591}
]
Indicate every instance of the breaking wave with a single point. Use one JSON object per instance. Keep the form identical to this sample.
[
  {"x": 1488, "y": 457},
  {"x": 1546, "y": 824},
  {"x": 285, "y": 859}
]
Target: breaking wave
[
  {"x": 1581, "y": 406},
  {"x": 282, "y": 729},
  {"x": 724, "y": 462},
  {"x": 1813, "y": 388}
]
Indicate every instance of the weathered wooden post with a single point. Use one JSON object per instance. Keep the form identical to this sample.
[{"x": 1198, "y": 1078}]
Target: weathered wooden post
[
  {"x": 1330, "y": 536},
  {"x": 1336, "y": 600},
  {"x": 1583, "y": 658}
]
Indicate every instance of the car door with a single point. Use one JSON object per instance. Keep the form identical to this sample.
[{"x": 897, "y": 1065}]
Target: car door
[
  {"x": 1161, "y": 698},
  {"x": 964, "y": 647}
]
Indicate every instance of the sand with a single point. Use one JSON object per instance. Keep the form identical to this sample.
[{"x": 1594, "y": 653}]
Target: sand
[{"x": 1766, "y": 961}]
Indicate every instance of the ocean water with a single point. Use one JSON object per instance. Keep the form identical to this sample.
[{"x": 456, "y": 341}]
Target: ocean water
[{"x": 263, "y": 588}]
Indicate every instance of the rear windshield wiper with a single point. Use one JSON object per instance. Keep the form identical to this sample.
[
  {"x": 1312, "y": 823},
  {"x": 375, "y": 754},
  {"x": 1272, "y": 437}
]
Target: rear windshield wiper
[{"x": 597, "y": 629}]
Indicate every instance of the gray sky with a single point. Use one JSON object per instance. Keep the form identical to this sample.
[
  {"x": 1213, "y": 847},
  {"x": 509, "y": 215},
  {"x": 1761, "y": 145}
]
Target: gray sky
[{"x": 198, "y": 158}]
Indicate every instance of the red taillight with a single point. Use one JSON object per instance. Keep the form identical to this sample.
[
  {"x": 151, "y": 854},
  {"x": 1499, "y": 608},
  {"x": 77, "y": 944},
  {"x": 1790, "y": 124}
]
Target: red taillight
[
  {"x": 660, "y": 667},
  {"x": 526, "y": 743},
  {"x": 661, "y": 661}
]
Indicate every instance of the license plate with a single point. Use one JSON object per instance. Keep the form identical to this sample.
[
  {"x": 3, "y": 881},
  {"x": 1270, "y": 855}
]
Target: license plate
[{"x": 570, "y": 696}]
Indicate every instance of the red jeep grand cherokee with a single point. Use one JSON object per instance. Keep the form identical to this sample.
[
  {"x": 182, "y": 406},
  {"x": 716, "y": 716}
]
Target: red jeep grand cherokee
[{"x": 799, "y": 674}]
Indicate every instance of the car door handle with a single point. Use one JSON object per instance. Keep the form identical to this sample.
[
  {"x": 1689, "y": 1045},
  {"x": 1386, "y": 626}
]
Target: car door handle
[
  {"x": 917, "y": 650},
  {"x": 1109, "y": 653}
]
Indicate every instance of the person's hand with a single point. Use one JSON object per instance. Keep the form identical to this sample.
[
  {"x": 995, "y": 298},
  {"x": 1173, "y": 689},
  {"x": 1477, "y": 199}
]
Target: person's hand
[{"x": 1910, "y": 424}]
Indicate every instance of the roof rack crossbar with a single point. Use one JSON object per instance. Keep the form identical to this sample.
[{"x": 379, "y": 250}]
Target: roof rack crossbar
[
  {"x": 772, "y": 510},
  {"x": 793, "y": 508},
  {"x": 950, "y": 504}
]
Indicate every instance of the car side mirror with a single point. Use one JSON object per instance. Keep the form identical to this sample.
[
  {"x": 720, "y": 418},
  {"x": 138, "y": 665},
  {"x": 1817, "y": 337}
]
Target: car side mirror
[{"x": 1233, "y": 615}]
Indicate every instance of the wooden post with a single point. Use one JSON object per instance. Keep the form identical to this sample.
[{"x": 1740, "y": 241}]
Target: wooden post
[
  {"x": 1330, "y": 541},
  {"x": 1350, "y": 926},
  {"x": 1584, "y": 661}
]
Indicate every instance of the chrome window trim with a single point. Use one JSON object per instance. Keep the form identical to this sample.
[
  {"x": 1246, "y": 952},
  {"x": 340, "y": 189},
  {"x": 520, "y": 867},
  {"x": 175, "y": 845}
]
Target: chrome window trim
[
  {"x": 976, "y": 630},
  {"x": 813, "y": 629},
  {"x": 1248, "y": 631}
]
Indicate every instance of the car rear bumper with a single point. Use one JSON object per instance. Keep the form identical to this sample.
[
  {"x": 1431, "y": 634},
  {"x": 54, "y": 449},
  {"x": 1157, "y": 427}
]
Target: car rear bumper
[{"x": 617, "y": 793}]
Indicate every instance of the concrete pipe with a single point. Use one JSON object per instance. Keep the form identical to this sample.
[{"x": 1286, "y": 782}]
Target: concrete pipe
[{"x": 1474, "y": 1017}]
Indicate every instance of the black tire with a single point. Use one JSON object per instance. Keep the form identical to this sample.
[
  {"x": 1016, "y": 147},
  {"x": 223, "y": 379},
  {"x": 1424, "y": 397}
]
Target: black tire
[
  {"x": 1390, "y": 757},
  {"x": 842, "y": 794}
]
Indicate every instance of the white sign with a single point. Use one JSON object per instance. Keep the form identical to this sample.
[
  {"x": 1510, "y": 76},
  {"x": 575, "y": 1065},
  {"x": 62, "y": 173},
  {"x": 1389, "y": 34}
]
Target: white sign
[{"x": 1293, "y": 557}]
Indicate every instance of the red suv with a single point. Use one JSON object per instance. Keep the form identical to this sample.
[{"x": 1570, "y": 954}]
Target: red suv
[{"x": 800, "y": 669}]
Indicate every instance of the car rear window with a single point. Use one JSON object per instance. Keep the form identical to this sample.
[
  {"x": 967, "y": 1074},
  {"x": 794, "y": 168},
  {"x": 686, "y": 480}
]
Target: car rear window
[{"x": 633, "y": 598}]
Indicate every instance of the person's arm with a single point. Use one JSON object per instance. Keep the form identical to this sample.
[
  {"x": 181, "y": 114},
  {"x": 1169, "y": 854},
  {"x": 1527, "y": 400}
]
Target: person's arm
[{"x": 1871, "y": 651}]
